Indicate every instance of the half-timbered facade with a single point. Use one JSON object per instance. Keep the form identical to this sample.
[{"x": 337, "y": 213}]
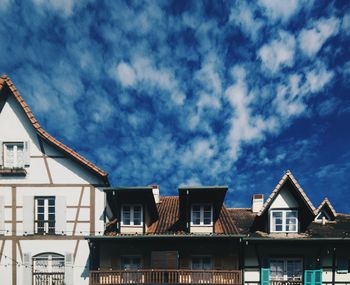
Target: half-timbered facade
[{"x": 50, "y": 198}]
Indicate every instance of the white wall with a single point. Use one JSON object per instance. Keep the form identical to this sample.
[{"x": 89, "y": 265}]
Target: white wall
[
  {"x": 69, "y": 179},
  {"x": 284, "y": 199}
]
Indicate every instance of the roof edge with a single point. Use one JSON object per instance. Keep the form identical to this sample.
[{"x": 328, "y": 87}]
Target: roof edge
[{"x": 4, "y": 79}]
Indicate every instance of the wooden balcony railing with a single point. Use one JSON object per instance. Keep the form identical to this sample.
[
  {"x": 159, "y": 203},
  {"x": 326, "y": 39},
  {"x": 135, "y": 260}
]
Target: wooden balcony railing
[
  {"x": 285, "y": 282},
  {"x": 155, "y": 276}
]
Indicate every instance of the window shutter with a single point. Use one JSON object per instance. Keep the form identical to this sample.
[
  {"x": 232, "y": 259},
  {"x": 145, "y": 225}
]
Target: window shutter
[
  {"x": 26, "y": 154},
  {"x": 342, "y": 266},
  {"x": 2, "y": 218},
  {"x": 68, "y": 272},
  {"x": 318, "y": 277},
  {"x": 60, "y": 215},
  {"x": 265, "y": 273},
  {"x": 28, "y": 215},
  {"x": 313, "y": 277},
  {"x": 1, "y": 153},
  {"x": 27, "y": 269}
]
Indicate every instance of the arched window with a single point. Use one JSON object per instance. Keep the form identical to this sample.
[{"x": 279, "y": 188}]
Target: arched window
[{"x": 48, "y": 269}]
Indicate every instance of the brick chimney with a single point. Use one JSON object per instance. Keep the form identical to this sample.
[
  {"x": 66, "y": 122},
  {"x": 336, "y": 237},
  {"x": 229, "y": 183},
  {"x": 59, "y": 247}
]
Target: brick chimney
[{"x": 257, "y": 202}]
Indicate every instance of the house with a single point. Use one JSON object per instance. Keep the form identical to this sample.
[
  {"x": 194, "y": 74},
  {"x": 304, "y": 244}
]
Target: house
[
  {"x": 50, "y": 198},
  {"x": 193, "y": 238},
  {"x": 189, "y": 238},
  {"x": 288, "y": 241}
]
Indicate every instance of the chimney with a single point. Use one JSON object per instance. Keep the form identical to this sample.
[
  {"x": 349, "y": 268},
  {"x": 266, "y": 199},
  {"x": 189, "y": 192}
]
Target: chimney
[
  {"x": 257, "y": 202},
  {"x": 155, "y": 190}
]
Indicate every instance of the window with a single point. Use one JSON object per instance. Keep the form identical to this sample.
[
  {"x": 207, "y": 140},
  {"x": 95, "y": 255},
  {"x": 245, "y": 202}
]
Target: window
[
  {"x": 284, "y": 221},
  {"x": 287, "y": 269},
  {"x": 48, "y": 268},
  {"x": 14, "y": 155},
  {"x": 201, "y": 215},
  {"x": 132, "y": 215},
  {"x": 130, "y": 262},
  {"x": 201, "y": 263},
  {"x": 45, "y": 215}
]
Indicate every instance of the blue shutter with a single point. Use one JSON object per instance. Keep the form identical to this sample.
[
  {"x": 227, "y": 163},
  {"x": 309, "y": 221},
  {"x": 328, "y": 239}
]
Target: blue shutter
[
  {"x": 313, "y": 277},
  {"x": 265, "y": 273}
]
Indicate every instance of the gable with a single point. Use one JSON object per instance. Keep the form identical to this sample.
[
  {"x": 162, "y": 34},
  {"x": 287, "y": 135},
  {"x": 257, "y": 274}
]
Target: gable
[
  {"x": 284, "y": 200},
  {"x": 297, "y": 192},
  {"x": 17, "y": 123}
]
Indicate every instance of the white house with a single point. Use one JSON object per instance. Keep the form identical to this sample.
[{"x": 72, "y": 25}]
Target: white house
[{"x": 50, "y": 198}]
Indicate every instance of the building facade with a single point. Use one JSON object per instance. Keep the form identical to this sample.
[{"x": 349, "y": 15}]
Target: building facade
[
  {"x": 50, "y": 198},
  {"x": 193, "y": 238}
]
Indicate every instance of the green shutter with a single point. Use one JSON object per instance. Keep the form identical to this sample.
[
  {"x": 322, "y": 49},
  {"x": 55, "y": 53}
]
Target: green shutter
[
  {"x": 318, "y": 277},
  {"x": 265, "y": 273},
  {"x": 313, "y": 277}
]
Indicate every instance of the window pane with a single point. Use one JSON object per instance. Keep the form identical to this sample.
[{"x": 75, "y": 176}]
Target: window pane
[
  {"x": 196, "y": 217},
  {"x": 126, "y": 215},
  {"x": 137, "y": 215},
  {"x": 276, "y": 269},
  {"x": 207, "y": 217}
]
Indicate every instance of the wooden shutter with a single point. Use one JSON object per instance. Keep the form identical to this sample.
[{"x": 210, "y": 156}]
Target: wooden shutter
[
  {"x": 27, "y": 268},
  {"x": 2, "y": 214},
  {"x": 164, "y": 259},
  {"x": 68, "y": 271},
  {"x": 26, "y": 153},
  {"x": 28, "y": 215},
  {"x": 1, "y": 153},
  {"x": 265, "y": 272},
  {"x": 60, "y": 215},
  {"x": 313, "y": 277}
]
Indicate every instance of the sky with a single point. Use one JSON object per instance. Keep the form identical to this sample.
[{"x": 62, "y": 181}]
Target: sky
[{"x": 181, "y": 93}]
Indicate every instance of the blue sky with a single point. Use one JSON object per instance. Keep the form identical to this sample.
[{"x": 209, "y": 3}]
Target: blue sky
[{"x": 191, "y": 92}]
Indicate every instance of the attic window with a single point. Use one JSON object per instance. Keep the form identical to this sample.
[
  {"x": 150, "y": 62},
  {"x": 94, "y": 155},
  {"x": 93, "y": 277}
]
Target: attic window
[
  {"x": 323, "y": 215},
  {"x": 201, "y": 215},
  {"x": 284, "y": 221},
  {"x": 132, "y": 215}
]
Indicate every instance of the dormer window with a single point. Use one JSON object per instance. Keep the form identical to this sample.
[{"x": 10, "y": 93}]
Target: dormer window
[
  {"x": 132, "y": 215},
  {"x": 284, "y": 221},
  {"x": 14, "y": 155},
  {"x": 201, "y": 215}
]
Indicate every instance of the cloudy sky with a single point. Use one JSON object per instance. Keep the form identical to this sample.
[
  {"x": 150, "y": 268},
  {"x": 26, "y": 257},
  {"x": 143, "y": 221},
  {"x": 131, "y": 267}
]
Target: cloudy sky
[{"x": 191, "y": 92}]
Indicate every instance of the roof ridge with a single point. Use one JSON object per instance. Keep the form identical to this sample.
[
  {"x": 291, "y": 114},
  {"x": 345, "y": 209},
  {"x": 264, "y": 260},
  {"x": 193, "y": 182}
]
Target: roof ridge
[
  {"x": 44, "y": 134},
  {"x": 287, "y": 174}
]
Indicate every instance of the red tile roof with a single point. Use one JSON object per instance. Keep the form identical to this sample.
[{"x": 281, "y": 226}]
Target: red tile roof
[{"x": 5, "y": 80}]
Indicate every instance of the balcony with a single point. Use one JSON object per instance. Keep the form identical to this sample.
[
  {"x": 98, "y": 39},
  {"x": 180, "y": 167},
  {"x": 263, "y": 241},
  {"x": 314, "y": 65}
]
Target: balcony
[
  {"x": 155, "y": 276},
  {"x": 285, "y": 282}
]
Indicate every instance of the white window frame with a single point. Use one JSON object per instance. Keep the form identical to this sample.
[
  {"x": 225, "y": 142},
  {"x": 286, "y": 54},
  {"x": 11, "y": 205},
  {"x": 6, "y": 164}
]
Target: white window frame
[
  {"x": 201, "y": 210},
  {"x": 47, "y": 229},
  {"x": 16, "y": 163},
  {"x": 132, "y": 207},
  {"x": 285, "y": 261},
  {"x": 284, "y": 221}
]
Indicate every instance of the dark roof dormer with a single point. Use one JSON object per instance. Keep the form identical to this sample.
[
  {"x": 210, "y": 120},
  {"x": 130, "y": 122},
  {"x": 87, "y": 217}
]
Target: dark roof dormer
[
  {"x": 200, "y": 207},
  {"x": 125, "y": 203}
]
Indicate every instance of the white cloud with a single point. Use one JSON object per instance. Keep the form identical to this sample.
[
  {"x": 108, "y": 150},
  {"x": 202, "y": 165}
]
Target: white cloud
[
  {"x": 65, "y": 7},
  {"x": 278, "y": 53},
  {"x": 243, "y": 16},
  {"x": 317, "y": 78},
  {"x": 4, "y": 4},
  {"x": 125, "y": 74},
  {"x": 311, "y": 40},
  {"x": 346, "y": 24},
  {"x": 280, "y": 10}
]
